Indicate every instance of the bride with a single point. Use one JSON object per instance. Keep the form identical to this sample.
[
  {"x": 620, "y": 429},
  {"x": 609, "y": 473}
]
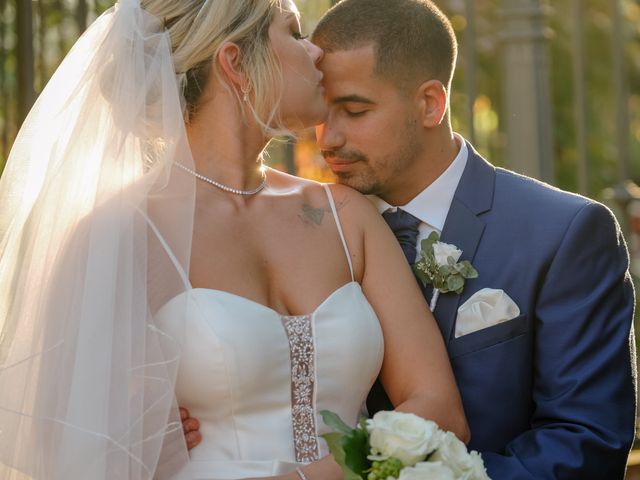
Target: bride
[{"x": 148, "y": 259}]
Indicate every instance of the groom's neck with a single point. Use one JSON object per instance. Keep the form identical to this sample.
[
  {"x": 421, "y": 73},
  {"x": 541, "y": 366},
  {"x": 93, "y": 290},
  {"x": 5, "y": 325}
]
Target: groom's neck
[{"x": 436, "y": 155}]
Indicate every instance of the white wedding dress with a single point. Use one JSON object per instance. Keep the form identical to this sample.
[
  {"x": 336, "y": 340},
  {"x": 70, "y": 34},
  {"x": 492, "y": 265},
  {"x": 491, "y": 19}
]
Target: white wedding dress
[{"x": 257, "y": 380}]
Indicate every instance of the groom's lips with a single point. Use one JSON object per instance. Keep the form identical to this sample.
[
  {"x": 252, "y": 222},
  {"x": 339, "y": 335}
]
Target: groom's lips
[{"x": 339, "y": 164}]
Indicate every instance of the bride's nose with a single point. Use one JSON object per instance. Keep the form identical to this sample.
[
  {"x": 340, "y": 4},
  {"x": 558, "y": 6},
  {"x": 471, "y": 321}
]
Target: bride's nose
[{"x": 315, "y": 52}]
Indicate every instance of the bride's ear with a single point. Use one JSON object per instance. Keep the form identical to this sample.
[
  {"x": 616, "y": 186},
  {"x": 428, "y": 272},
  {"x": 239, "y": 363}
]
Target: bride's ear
[{"x": 230, "y": 64}]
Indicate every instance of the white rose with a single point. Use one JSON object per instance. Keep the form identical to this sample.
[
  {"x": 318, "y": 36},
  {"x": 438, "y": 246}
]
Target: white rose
[
  {"x": 453, "y": 453},
  {"x": 478, "y": 472},
  {"x": 427, "y": 471},
  {"x": 443, "y": 251},
  {"x": 404, "y": 436}
]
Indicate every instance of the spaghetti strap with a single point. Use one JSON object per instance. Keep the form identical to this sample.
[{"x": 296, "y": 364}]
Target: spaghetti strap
[
  {"x": 170, "y": 254},
  {"x": 337, "y": 219}
]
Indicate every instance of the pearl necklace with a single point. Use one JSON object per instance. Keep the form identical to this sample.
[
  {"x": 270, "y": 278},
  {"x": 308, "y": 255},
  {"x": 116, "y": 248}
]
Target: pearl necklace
[{"x": 222, "y": 186}]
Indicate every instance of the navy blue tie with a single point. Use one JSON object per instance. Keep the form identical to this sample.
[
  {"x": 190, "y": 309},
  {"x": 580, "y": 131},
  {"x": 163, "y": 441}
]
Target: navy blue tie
[{"x": 405, "y": 227}]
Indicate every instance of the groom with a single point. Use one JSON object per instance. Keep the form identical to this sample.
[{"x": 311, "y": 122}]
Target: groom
[{"x": 541, "y": 342}]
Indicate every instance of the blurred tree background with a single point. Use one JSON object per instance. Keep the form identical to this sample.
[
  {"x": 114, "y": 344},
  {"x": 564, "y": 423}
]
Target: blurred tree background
[{"x": 36, "y": 34}]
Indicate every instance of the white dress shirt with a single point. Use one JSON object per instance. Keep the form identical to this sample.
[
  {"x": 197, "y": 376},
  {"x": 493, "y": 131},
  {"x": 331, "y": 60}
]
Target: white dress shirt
[{"x": 431, "y": 206}]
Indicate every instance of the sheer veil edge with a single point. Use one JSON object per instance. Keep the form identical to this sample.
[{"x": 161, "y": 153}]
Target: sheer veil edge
[{"x": 86, "y": 376}]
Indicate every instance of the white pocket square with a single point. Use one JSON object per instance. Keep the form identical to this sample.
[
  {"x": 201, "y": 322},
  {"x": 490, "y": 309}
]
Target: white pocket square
[{"x": 485, "y": 308}]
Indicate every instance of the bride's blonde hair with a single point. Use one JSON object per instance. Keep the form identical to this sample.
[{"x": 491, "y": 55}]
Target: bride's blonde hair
[{"x": 199, "y": 28}]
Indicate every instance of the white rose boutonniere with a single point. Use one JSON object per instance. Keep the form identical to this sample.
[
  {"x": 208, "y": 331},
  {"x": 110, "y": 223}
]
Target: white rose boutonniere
[
  {"x": 442, "y": 252},
  {"x": 439, "y": 266}
]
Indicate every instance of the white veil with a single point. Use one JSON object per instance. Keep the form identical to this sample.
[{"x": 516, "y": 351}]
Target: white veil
[{"x": 86, "y": 378}]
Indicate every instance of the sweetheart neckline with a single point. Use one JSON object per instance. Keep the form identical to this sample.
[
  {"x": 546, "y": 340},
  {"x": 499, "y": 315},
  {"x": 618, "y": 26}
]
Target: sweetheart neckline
[{"x": 261, "y": 305}]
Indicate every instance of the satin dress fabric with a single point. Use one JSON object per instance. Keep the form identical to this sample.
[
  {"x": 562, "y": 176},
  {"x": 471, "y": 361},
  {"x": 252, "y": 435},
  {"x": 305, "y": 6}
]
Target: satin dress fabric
[{"x": 258, "y": 380}]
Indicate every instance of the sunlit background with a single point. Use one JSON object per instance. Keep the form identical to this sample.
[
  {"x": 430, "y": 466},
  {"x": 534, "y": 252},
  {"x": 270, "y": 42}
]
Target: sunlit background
[
  {"x": 564, "y": 74},
  {"x": 547, "y": 88}
]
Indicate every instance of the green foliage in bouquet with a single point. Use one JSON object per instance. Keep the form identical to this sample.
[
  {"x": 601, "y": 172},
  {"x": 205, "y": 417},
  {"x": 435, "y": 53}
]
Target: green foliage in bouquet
[
  {"x": 383, "y": 469},
  {"x": 349, "y": 446},
  {"x": 400, "y": 446}
]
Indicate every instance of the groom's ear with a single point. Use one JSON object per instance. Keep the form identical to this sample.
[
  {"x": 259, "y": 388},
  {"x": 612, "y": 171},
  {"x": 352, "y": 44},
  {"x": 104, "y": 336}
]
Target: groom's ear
[{"x": 433, "y": 101}]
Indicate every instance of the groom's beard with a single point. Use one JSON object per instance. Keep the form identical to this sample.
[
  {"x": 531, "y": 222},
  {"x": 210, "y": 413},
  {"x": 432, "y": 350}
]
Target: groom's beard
[
  {"x": 352, "y": 168},
  {"x": 375, "y": 176},
  {"x": 383, "y": 171}
]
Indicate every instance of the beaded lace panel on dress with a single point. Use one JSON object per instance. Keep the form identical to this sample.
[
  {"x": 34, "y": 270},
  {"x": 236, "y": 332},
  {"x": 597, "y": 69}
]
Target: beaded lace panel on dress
[{"x": 300, "y": 334}]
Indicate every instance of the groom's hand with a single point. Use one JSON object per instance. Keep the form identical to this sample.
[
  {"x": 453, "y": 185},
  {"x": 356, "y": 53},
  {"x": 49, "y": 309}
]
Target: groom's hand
[{"x": 191, "y": 427}]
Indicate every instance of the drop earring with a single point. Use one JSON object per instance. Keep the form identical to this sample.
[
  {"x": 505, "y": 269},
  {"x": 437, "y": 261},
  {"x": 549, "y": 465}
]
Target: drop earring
[{"x": 245, "y": 94}]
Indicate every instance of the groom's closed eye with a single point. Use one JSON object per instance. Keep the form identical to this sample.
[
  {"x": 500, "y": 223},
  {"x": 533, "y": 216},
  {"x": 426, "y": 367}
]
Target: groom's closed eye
[
  {"x": 355, "y": 113},
  {"x": 353, "y": 105},
  {"x": 355, "y": 109}
]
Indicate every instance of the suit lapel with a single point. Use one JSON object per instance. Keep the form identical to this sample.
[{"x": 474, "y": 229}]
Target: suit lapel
[
  {"x": 463, "y": 227},
  {"x": 464, "y": 230}
]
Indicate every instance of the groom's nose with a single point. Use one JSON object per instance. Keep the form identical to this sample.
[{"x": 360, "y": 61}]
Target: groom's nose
[{"x": 328, "y": 137}]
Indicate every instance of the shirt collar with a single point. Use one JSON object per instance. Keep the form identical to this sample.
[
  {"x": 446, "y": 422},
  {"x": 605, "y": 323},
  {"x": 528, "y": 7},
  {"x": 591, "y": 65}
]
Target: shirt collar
[{"x": 431, "y": 206}]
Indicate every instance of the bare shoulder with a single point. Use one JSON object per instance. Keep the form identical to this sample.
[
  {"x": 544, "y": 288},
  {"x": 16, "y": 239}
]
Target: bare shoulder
[
  {"x": 308, "y": 191},
  {"x": 357, "y": 209},
  {"x": 354, "y": 209},
  {"x": 285, "y": 184}
]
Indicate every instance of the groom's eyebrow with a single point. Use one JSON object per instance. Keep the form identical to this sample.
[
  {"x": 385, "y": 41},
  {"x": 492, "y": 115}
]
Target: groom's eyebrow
[{"x": 351, "y": 99}]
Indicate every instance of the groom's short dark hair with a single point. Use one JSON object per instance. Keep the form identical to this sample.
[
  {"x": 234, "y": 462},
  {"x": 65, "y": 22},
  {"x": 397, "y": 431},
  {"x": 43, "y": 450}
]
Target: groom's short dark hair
[{"x": 413, "y": 39}]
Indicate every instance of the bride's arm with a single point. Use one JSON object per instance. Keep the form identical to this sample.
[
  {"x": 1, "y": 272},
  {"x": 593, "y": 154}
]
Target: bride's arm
[{"x": 416, "y": 372}]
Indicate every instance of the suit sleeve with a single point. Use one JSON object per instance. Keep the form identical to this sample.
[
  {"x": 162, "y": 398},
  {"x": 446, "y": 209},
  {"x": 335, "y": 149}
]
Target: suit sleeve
[{"x": 584, "y": 366}]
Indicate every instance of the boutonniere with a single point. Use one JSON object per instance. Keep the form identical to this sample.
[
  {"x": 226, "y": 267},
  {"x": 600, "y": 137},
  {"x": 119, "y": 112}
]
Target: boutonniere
[{"x": 439, "y": 266}]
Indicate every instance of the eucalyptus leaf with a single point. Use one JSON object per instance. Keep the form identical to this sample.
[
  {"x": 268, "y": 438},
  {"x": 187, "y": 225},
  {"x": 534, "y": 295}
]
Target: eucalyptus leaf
[
  {"x": 427, "y": 245},
  {"x": 422, "y": 276},
  {"x": 441, "y": 285},
  {"x": 334, "y": 442},
  {"x": 356, "y": 449},
  {"x": 334, "y": 422},
  {"x": 455, "y": 283},
  {"x": 471, "y": 272},
  {"x": 461, "y": 268},
  {"x": 451, "y": 261}
]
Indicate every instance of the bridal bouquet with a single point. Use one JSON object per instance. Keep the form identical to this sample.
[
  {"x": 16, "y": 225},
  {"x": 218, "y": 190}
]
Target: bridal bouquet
[{"x": 400, "y": 446}]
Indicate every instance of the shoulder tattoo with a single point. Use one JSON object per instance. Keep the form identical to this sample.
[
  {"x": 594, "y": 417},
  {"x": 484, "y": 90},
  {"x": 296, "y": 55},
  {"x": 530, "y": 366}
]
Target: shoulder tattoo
[{"x": 313, "y": 216}]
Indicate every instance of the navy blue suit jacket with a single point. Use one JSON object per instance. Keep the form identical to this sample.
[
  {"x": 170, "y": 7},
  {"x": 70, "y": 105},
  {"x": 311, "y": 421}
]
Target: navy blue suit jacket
[{"x": 549, "y": 394}]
